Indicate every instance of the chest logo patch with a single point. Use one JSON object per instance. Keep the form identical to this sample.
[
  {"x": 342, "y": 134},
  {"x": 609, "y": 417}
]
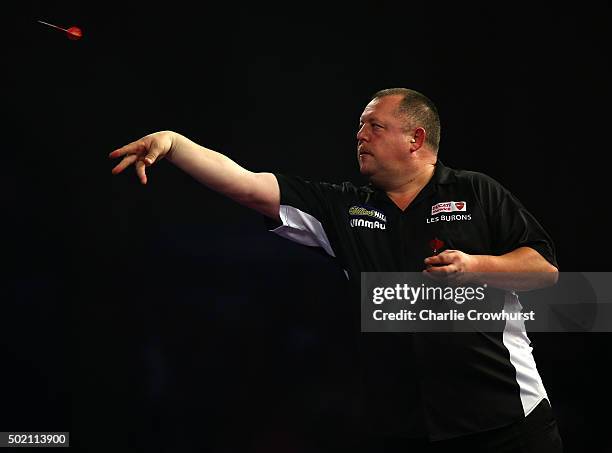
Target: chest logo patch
[
  {"x": 367, "y": 217},
  {"x": 448, "y": 206}
]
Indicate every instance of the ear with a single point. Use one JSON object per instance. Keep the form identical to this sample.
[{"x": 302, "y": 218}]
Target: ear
[{"x": 418, "y": 139}]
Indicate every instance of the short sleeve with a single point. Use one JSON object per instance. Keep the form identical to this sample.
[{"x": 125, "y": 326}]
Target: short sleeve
[
  {"x": 305, "y": 211},
  {"x": 511, "y": 224}
]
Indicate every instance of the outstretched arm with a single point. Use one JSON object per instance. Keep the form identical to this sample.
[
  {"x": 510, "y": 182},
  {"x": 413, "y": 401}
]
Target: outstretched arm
[{"x": 258, "y": 191}]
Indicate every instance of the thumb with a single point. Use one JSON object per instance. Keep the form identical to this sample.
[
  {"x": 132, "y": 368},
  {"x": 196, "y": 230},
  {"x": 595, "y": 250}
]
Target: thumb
[{"x": 154, "y": 152}]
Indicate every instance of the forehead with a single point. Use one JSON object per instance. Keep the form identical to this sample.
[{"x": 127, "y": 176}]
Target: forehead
[{"x": 382, "y": 107}]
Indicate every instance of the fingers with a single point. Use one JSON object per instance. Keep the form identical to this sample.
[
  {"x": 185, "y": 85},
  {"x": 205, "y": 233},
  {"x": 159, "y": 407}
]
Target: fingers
[
  {"x": 140, "y": 171},
  {"x": 441, "y": 271},
  {"x": 139, "y": 166},
  {"x": 440, "y": 266},
  {"x": 132, "y": 148},
  {"x": 446, "y": 257},
  {"x": 438, "y": 260},
  {"x": 126, "y": 162},
  {"x": 142, "y": 153},
  {"x": 447, "y": 275},
  {"x": 132, "y": 154},
  {"x": 433, "y": 260}
]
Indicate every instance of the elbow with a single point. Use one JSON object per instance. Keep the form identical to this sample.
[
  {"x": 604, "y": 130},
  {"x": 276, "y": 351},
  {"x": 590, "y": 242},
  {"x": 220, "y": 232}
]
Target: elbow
[
  {"x": 554, "y": 275},
  {"x": 547, "y": 273},
  {"x": 550, "y": 275}
]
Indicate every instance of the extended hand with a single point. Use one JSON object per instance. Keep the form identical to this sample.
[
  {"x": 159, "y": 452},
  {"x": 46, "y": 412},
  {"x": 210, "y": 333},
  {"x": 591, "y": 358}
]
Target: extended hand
[{"x": 143, "y": 153}]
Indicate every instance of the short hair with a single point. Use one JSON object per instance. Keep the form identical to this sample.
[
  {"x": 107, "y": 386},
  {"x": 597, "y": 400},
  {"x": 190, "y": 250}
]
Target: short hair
[{"x": 419, "y": 111}]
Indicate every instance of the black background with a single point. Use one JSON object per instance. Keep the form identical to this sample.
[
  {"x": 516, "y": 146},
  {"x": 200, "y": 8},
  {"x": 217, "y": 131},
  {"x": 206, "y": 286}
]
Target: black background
[{"x": 164, "y": 316}]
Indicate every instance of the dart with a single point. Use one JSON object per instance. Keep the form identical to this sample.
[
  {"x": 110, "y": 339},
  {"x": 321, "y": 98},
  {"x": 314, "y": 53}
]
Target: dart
[
  {"x": 73, "y": 33},
  {"x": 436, "y": 244}
]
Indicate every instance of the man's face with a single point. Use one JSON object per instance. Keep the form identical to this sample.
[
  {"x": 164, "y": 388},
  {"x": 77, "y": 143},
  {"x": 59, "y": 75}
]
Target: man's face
[{"x": 383, "y": 144}]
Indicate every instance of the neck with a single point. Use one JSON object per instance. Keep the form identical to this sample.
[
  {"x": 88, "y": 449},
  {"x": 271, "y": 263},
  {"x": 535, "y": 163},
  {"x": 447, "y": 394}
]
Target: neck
[
  {"x": 412, "y": 183},
  {"x": 402, "y": 192}
]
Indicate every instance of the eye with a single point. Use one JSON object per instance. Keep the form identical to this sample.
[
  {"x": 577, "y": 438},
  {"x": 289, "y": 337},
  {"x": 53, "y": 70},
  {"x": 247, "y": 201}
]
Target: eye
[{"x": 378, "y": 126}]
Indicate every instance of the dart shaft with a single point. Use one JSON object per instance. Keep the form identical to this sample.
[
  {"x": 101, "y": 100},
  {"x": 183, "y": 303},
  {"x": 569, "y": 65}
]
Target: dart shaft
[{"x": 54, "y": 26}]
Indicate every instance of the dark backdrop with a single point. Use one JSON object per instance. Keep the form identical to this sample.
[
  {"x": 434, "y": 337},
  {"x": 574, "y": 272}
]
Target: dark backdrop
[{"x": 165, "y": 316}]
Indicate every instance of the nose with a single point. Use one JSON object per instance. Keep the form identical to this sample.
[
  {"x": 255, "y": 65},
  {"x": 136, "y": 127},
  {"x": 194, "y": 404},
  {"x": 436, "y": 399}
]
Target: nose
[{"x": 361, "y": 134}]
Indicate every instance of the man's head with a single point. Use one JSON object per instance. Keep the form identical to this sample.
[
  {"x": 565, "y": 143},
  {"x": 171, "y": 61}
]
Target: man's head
[{"x": 398, "y": 129}]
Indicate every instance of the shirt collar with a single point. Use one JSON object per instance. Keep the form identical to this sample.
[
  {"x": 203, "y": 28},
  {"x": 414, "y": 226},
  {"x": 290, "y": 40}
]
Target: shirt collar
[{"x": 442, "y": 174}]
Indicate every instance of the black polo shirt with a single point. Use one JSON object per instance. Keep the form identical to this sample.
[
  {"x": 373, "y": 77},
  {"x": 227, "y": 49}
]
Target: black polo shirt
[{"x": 426, "y": 384}]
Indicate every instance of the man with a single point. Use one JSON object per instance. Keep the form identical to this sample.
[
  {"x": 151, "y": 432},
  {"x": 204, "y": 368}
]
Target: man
[{"x": 482, "y": 391}]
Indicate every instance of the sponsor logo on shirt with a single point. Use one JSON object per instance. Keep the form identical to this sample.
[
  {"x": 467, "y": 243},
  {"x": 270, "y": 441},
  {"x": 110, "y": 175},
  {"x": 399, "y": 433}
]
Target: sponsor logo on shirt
[
  {"x": 366, "y": 217},
  {"x": 449, "y": 218},
  {"x": 448, "y": 206}
]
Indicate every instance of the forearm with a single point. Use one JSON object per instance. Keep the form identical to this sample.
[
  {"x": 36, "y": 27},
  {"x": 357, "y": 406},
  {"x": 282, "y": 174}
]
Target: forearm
[
  {"x": 522, "y": 269},
  {"x": 213, "y": 169}
]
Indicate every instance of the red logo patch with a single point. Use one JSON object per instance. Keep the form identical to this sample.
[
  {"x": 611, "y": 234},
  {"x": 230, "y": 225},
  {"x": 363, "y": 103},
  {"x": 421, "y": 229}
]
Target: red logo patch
[{"x": 459, "y": 205}]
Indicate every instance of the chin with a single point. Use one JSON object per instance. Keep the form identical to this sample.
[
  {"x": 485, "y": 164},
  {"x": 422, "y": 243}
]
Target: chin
[
  {"x": 365, "y": 172},
  {"x": 364, "y": 169}
]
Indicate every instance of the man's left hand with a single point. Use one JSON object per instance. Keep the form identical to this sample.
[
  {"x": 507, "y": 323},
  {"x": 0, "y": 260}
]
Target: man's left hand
[{"x": 451, "y": 266}]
